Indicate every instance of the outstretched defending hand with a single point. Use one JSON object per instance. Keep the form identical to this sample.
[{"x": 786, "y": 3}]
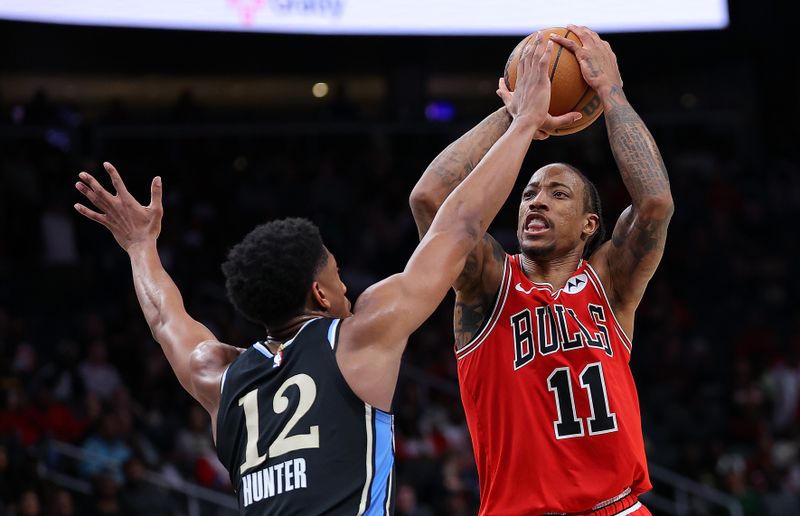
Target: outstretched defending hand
[
  {"x": 129, "y": 222},
  {"x": 598, "y": 62}
]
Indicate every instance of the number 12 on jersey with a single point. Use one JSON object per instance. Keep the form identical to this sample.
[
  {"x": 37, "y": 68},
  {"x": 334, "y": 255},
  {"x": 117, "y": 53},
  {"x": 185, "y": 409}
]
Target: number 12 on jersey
[
  {"x": 284, "y": 443},
  {"x": 568, "y": 424}
]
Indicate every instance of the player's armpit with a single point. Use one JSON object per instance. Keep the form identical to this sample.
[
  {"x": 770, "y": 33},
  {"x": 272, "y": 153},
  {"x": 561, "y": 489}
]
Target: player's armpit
[{"x": 207, "y": 363}]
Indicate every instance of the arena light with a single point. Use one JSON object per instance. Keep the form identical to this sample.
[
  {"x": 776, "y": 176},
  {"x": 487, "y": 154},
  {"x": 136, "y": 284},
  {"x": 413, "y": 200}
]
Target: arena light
[{"x": 402, "y": 17}]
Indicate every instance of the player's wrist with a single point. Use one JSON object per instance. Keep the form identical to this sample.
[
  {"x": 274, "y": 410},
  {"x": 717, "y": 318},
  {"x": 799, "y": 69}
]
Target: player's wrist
[
  {"x": 608, "y": 91},
  {"x": 140, "y": 246},
  {"x": 526, "y": 124}
]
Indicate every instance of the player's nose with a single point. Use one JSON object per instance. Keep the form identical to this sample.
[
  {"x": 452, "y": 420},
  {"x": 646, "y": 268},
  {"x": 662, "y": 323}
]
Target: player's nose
[{"x": 539, "y": 201}]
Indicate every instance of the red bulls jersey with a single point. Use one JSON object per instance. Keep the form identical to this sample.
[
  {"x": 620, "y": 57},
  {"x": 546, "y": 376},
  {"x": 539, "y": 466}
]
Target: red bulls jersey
[{"x": 549, "y": 398}]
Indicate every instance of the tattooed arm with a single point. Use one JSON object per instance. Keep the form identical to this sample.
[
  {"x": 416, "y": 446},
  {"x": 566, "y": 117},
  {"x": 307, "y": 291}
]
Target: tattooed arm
[
  {"x": 630, "y": 259},
  {"x": 479, "y": 281},
  {"x": 453, "y": 165}
]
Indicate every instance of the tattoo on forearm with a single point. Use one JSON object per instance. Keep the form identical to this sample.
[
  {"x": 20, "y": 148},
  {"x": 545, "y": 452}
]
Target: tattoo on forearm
[
  {"x": 634, "y": 149},
  {"x": 638, "y": 238},
  {"x": 460, "y": 158}
]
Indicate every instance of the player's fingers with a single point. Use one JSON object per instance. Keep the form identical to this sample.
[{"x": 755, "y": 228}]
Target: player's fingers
[
  {"x": 532, "y": 49},
  {"x": 581, "y": 32},
  {"x": 102, "y": 194},
  {"x": 544, "y": 60},
  {"x": 566, "y": 119},
  {"x": 155, "y": 193},
  {"x": 567, "y": 43},
  {"x": 590, "y": 34},
  {"x": 503, "y": 91},
  {"x": 540, "y": 135},
  {"x": 90, "y": 194},
  {"x": 116, "y": 179},
  {"x": 538, "y": 48},
  {"x": 89, "y": 214}
]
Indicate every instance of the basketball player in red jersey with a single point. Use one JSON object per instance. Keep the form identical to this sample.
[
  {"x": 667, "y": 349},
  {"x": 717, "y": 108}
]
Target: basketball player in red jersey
[{"x": 543, "y": 337}]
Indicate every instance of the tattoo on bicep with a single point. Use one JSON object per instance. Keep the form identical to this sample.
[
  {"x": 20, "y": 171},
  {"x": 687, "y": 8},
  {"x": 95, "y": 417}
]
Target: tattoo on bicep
[
  {"x": 643, "y": 238},
  {"x": 471, "y": 267},
  {"x": 498, "y": 253},
  {"x": 469, "y": 318},
  {"x": 467, "y": 321}
]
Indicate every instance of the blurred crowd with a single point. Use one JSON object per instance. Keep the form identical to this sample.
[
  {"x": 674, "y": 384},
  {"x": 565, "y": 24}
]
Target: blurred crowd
[{"x": 716, "y": 348}]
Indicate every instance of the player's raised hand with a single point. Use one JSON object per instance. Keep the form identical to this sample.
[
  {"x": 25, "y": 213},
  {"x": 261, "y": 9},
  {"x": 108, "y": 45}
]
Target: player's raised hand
[
  {"x": 531, "y": 100},
  {"x": 129, "y": 222},
  {"x": 532, "y": 92},
  {"x": 551, "y": 123},
  {"x": 598, "y": 62}
]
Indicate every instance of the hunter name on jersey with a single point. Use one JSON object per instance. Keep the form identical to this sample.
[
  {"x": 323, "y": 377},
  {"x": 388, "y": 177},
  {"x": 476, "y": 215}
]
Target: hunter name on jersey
[
  {"x": 274, "y": 480},
  {"x": 296, "y": 439}
]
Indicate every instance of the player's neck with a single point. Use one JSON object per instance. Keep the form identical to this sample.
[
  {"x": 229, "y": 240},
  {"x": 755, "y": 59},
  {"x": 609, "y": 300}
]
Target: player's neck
[
  {"x": 280, "y": 333},
  {"x": 555, "y": 271}
]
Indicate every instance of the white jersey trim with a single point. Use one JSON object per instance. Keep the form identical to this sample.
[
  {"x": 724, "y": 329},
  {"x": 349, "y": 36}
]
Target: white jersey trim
[
  {"x": 598, "y": 285},
  {"x": 362, "y": 507},
  {"x": 303, "y": 327},
  {"x": 633, "y": 508},
  {"x": 332, "y": 333},
  {"x": 540, "y": 286},
  {"x": 263, "y": 350},
  {"x": 608, "y": 502},
  {"x": 499, "y": 304},
  {"x": 222, "y": 380}
]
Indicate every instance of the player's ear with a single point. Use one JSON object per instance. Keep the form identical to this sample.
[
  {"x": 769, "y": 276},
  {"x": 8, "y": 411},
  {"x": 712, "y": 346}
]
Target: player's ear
[
  {"x": 591, "y": 224},
  {"x": 318, "y": 297}
]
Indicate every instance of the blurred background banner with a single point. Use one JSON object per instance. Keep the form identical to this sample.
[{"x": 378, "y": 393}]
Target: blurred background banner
[{"x": 429, "y": 17}]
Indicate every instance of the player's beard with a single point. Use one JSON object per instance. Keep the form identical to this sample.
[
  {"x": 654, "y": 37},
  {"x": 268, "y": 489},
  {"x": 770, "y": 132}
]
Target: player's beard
[{"x": 534, "y": 251}]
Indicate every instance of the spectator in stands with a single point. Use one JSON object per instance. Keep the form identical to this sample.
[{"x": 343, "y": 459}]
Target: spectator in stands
[
  {"x": 100, "y": 377},
  {"x": 107, "y": 450}
]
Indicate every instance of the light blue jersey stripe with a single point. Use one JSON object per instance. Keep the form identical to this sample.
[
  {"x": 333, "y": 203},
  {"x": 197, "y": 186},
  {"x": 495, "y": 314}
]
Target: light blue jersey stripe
[{"x": 384, "y": 462}]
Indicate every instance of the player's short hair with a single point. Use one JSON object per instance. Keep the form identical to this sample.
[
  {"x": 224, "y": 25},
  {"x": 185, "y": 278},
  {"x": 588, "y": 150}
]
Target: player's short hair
[
  {"x": 269, "y": 272},
  {"x": 592, "y": 204}
]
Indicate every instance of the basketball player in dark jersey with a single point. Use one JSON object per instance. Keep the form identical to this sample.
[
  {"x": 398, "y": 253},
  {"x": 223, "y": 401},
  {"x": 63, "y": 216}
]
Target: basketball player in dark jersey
[
  {"x": 301, "y": 420},
  {"x": 543, "y": 336}
]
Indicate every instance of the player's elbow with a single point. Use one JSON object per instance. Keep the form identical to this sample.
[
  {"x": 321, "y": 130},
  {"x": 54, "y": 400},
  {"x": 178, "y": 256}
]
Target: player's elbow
[
  {"x": 423, "y": 202},
  {"x": 658, "y": 207}
]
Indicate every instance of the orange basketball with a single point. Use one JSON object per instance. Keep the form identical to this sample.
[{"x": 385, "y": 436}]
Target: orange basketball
[{"x": 569, "y": 92}]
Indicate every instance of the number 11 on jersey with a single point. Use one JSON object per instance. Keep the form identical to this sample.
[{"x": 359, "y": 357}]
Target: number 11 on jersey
[{"x": 568, "y": 424}]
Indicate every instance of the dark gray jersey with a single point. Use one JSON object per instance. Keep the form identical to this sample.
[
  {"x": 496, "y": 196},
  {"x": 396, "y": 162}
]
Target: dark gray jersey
[{"x": 294, "y": 436}]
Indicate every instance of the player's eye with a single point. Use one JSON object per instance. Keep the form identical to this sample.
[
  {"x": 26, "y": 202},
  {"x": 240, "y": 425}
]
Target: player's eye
[{"x": 560, "y": 195}]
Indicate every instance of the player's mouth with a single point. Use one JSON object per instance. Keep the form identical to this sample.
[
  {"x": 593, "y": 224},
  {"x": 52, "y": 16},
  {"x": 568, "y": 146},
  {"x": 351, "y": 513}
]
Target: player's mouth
[{"x": 535, "y": 224}]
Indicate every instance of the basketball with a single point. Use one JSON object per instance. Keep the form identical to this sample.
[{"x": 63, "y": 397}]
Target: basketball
[{"x": 569, "y": 92}]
